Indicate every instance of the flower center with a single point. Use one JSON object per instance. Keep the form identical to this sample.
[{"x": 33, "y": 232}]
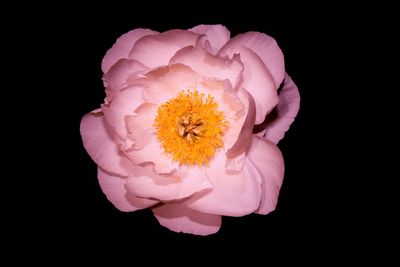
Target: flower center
[{"x": 190, "y": 127}]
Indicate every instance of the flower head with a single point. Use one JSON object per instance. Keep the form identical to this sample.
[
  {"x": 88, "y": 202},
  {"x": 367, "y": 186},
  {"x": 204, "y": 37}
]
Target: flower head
[{"x": 176, "y": 131}]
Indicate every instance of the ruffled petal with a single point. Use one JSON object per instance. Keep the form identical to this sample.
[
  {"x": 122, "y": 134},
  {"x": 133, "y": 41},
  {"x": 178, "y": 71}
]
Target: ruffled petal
[
  {"x": 100, "y": 145},
  {"x": 264, "y": 46},
  {"x": 242, "y": 137},
  {"x": 165, "y": 83},
  {"x": 156, "y": 50},
  {"x": 234, "y": 193},
  {"x": 209, "y": 65},
  {"x": 180, "y": 184},
  {"x": 114, "y": 188},
  {"x": 140, "y": 126},
  {"x": 217, "y": 35},
  {"x": 123, "y": 104},
  {"x": 152, "y": 153},
  {"x": 123, "y": 71},
  {"x": 286, "y": 111},
  {"x": 258, "y": 82},
  {"x": 122, "y": 47},
  {"x": 179, "y": 218},
  {"x": 268, "y": 160}
]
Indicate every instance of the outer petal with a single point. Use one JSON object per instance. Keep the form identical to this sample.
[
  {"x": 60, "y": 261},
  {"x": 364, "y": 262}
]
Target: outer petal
[
  {"x": 99, "y": 144},
  {"x": 179, "y": 185},
  {"x": 122, "y": 47},
  {"x": 258, "y": 82},
  {"x": 179, "y": 218},
  {"x": 234, "y": 193},
  {"x": 156, "y": 50},
  {"x": 218, "y": 35},
  {"x": 264, "y": 46},
  {"x": 286, "y": 111},
  {"x": 208, "y": 65},
  {"x": 122, "y": 72},
  {"x": 268, "y": 160},
  {"x": 114, "y": 188}
]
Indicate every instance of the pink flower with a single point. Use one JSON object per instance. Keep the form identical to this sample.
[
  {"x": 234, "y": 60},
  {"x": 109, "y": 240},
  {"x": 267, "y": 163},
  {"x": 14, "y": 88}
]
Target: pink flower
[{"x": 176, "y": 130}]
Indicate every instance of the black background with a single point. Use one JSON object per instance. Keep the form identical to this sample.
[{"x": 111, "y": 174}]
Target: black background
[{"x": 313, "y": 211}]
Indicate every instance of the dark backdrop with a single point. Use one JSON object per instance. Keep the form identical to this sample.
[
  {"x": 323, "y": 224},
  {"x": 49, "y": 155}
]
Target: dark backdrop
[{"x": 311, "y": 209}]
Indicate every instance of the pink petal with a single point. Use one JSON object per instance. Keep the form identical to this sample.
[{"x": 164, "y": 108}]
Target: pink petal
[
  {"x": 258, "y": 82},
  {"x": 234, "y": 193},
  {"x": 121, "y": 72},
  {"x": 218, "y": 35},
  {"x": 287, "y": 109},
  {"x": 208, "y": 65},
  {"x": 203, "y": 42},
  {"x": 264, "y": 46},
  {"x": 268, "y": 160},
  {"x": 242, "y": 137},
  {"x": 100, "y": 145},
  {"x": 153, "y": 153},
  {"x": 235, "y": 163},
  {"x": 166, "y": 82},
  {"x": 122, "y": 105},
  {"x": 156, "y": 50},
  {"x": 114, "y": 188},
  {"x": 179, "y": 218},
  {"x": 140, "y": 126},
  {"x": 179, "y": 185},
  {"x": 122, "y": 47}
]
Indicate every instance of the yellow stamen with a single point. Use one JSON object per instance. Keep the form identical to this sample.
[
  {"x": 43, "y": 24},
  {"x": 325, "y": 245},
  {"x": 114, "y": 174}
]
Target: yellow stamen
[{"x": 190, "y": 128}]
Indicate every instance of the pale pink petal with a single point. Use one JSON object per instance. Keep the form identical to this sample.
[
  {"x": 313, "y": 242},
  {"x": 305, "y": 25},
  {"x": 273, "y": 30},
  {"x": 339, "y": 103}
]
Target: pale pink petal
[
  {"x": 268, "y": 160},
  {"x": 122, "y": 72},
  {"x": 218, "y": 35},
  {"x": 180, "y": 184},
  {"x": 114, "y": 188},
  {"x": 122, "y": 47},
  {"x": 236, "y": 163},
  {"x": 242, "y": 137},
  {"x": 286, "y": 111},
  {"x": 140, "y": 126},
  {"x": 179, "y": 218},
  {"x": 234, "y": 193},
  {"x": 203, "y": 42},
  {"x": 264, "y": 46},
  {"x": 209, "y": 65},
  {"x": 124, "y": 103},
  {"x": 258, "y": 82},
  {"x": 156, "y": 50},
  {"x": 166, "y": 82},
  {"x": 153, "y": 153},
  {"x": 98, "y": 142}
]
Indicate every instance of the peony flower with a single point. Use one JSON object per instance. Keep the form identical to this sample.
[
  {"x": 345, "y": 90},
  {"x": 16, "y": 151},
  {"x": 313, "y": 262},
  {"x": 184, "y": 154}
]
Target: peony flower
[{"x": 177, "y": 130}]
